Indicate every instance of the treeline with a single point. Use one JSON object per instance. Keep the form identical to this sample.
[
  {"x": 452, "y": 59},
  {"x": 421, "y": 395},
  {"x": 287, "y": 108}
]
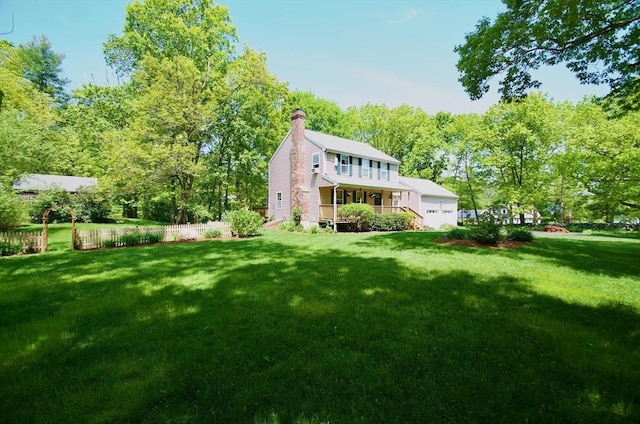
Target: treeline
[{"x": 189, "y": 134}]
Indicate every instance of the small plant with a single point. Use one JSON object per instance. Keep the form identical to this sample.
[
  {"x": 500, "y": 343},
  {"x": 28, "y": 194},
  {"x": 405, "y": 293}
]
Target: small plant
[
  {"x": 487, "y": 230},
  {"x": 358, "y": 215},
  {"x": 132, "y": 239},
  {"x": 245, "y": 223},
  {"x": 459, "y": 234},
  {"x": 9, "y": 249},
  {"x": 212, "y": 234},
  {"x": 154, "y": 237},
  {"x": 296, "y": 215},
  {"x": 290, "y": 226},
  {"x": 314, "y": 229},
  {"x": 109, "y": 243},
  {"x": 519, "y": 234}
]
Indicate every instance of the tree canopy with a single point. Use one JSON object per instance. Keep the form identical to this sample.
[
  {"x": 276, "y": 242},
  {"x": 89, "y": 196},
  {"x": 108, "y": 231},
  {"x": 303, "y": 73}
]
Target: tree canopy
[{"x": 597, "y": 40}]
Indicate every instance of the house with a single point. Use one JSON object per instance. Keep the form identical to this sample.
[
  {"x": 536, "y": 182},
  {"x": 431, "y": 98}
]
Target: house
[
  {"x": 503, "y": 215},
  {"x": 436, "y": 204},
  {"x": 319, "y": 173},
  {"x": 30, "y": 185}
]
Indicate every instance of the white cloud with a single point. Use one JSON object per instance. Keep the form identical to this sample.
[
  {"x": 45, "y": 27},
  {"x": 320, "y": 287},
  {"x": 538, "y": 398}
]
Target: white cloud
[{"x": 406, "y": 17}]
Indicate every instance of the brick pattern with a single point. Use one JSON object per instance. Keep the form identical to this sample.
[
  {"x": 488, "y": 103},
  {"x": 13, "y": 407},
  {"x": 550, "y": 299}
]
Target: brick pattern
[{"x": 297, "y": 162}]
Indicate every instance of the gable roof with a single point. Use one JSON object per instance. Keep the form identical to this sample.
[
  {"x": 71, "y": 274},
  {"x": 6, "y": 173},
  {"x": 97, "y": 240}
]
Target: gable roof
[
  {"x": 426, "y": 187},
  {"x": 40, "y": 182},
  {"x": 350, "y": 147}
]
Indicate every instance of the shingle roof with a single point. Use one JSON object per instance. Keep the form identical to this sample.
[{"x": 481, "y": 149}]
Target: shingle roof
[
  {"x": 40, "y": 182},
  {"x": 426, "y": 187},
  {"x": 365, "y": 183},
  {"x": 344, "y": 145}
]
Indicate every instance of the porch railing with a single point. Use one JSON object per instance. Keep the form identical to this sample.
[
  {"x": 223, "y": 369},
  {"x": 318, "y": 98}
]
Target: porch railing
[{"x": 326, "y": 213}]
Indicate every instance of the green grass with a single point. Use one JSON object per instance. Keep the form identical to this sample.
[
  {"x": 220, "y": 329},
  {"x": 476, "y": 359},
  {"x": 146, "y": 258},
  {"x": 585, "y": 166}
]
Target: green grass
[{"x": 340, "y": 328}]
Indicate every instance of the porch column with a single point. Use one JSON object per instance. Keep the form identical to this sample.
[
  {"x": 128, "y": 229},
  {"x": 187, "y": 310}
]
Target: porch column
[{"x": 335, "y": 208}]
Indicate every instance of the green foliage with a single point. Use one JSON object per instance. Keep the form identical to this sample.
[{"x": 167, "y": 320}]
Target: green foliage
[
  {"x": 47, "y": 199},
  {"x": 519, "y": 234},
  {"x": 211, "y": 234},
  {"x": 296, "y": 215},
  {"x": 314, "y": 229},
  {"x": 391, "y": 222},
  {"x": 290, "y": 226},
  {"x": 458, "y": 234},
  {"x": 357, "y": 215},
  {"x": 245, "y": 223},
  {"x": 530, "y": 35},
  {"x": 157, "y": 208},
  {"x": 487, "y": 230},
  {"x": 9, "y": 249},
  {"x": 91, "y": 205},
  {"x": 13, "y": 212}
]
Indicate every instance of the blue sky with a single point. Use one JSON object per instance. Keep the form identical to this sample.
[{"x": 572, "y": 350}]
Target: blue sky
[{"x": 352, "y": 52}]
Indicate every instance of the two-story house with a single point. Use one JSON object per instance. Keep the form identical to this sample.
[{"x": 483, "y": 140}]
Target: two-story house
[{"x": 319, "y": 173}]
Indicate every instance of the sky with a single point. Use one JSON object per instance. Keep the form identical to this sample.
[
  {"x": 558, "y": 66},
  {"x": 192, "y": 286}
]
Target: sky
[{"x": 352, "y": 52}]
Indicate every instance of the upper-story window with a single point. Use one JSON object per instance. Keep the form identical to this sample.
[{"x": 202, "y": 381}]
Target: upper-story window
[
  {"x": 345, "y": 169},
  {"x": 315, "y": 160},
  {"x": 384, "y": 171},
  {"x": 366, "y": 168}
]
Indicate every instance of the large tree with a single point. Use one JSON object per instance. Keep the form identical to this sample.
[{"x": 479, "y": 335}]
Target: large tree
[{"x": 597, "y": 40}]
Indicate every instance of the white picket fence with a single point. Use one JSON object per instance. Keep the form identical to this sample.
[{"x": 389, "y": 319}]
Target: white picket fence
[
  {"x": 29, "y": 242},
  {"x": 95, "y": 239}
]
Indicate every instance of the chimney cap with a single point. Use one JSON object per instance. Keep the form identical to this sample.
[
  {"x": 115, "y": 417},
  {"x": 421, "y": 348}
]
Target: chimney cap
[{"x": 298, "y": 113}]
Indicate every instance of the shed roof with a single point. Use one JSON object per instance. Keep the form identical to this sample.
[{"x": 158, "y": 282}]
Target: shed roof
[
  {"x": 40, "y": 182},
  {"x": 344, "y": 145},
  {"x": 426, "y": 187}
]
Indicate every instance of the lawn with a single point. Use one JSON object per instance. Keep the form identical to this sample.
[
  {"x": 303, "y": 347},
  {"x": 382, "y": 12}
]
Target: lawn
[{"x": 314, "y": 328}]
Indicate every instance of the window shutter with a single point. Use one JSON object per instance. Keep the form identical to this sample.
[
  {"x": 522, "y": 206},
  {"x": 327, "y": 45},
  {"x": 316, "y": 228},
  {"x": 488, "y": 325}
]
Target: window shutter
[
  {"x": 379, "y": 169},
  {"x": 339, "y": 163},
  {"x": 388, "y": 172},
  {"x": 360, "y": 167},
  {"x": 370, "y": 169},
  {"x": 351, "y": 166}
]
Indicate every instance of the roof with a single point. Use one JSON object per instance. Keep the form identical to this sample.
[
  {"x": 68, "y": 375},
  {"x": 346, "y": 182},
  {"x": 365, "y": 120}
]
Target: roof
[
  {"x": 426, "y": 187},
  {"x": 344, "y": 145},
  {"x": 40, "y": 182},
  {"x": 365, "y": 183}
]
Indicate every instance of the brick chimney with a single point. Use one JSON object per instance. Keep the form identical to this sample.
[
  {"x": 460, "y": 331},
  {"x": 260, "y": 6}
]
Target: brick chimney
[{"x": 297, "y": 162}]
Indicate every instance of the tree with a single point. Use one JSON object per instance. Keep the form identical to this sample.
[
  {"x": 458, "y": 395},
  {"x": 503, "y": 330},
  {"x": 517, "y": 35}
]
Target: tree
[
  {"x": 596, "y": 39},
  {"x": 42, "y": 66},
  {"x": 322, "y": 115},
  {"x": 604, "y": 155},
  {"x": 518, "y": 140}
]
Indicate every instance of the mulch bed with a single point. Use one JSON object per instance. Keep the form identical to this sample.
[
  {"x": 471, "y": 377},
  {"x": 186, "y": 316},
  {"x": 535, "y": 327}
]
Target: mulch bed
[{"x": 507, "y": 244}]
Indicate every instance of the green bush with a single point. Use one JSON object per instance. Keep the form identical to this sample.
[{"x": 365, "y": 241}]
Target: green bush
[
  {"x": 296, "y": 215},
  {"x": 153, "y": 237},
  {"x": 91, "y": 205},
  {"x": 459, "y": 234},
  {"x": 391, "y": 222},
  {"x": 290, "y": 226},
  {"x": 156, "y": 208},
  {"x": 487, "y": 230},
  {"x": 314, "y": 229},
  {"x": 211, "y": 234},
  {"x": 357, "y": 215},
  {"x": 47, "y": 199},
  {"x": 9, "y": 249},
  {"x": 519, "y": 234},
  {"x": 132, "y": 239},
  {"x": 12, "y": 210},
  {"x": 245, "y": 223}
]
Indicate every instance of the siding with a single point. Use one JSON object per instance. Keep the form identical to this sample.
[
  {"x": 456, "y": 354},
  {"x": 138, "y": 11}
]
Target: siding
[{"x": 279, "y": 180}]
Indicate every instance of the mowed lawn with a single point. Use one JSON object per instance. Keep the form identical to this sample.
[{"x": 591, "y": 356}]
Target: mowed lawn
[{"x": 314, "y": 328}]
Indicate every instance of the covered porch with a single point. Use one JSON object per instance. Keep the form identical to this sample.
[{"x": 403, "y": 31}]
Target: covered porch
[{"x": 383, "y": 200}]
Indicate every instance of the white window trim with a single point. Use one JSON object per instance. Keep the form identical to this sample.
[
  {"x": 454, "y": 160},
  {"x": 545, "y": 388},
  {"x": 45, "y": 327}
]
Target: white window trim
[{"x": 278, "y": 200}]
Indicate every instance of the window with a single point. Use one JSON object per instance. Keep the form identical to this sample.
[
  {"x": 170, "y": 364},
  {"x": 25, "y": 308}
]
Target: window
[
  {"x": 377, "y": 199},
  {"x": 315, "y": 160},
  {"x": 447, "y": 211},
  {"x": 366, "y": 168},
  {"x": 384, "y": 171},
  {"x": 340, "y": 197},
  {"x": 344, "y": 165},
  {"x": 358, "y": 197},
  {"x": 279, "y": 200},
  {"x": 431, "y": 211}
]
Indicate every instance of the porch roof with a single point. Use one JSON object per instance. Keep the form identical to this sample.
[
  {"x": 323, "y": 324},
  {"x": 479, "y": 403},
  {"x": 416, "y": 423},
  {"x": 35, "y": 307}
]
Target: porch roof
[{"x": 364, "y": 183}]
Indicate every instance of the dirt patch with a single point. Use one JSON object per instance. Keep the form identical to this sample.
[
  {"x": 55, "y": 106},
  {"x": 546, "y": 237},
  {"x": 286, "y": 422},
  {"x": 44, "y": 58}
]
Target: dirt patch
[{"x": 507, "y": 244}]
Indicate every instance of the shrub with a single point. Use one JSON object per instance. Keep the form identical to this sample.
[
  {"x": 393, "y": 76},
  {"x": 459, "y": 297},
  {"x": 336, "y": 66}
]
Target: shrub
[
  {"x": 296, "y": 215},
  {"x": 12, "y": 210},
  {"x": 458, "y": 234},
  {"x": 90, "y": 205},
  {"x": 245, "y": 223},
  {"x": 391, "y": 222},
  {"x": 357, "y": 215},
  {"x": 290, "y": 226},
  {"x": 8, "y": 249},
  {"x": 314, "y": 229},
  {"x": 487, "y": 230},
  {"x": 210, "y": 234},
  {"x": 519, "y": 234},
  {"x": 153, "y": 237},
  {"x": 47, "y": 199},
  {"x": 156, "y": 208},
  {"x": 132, "y": 239}
]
